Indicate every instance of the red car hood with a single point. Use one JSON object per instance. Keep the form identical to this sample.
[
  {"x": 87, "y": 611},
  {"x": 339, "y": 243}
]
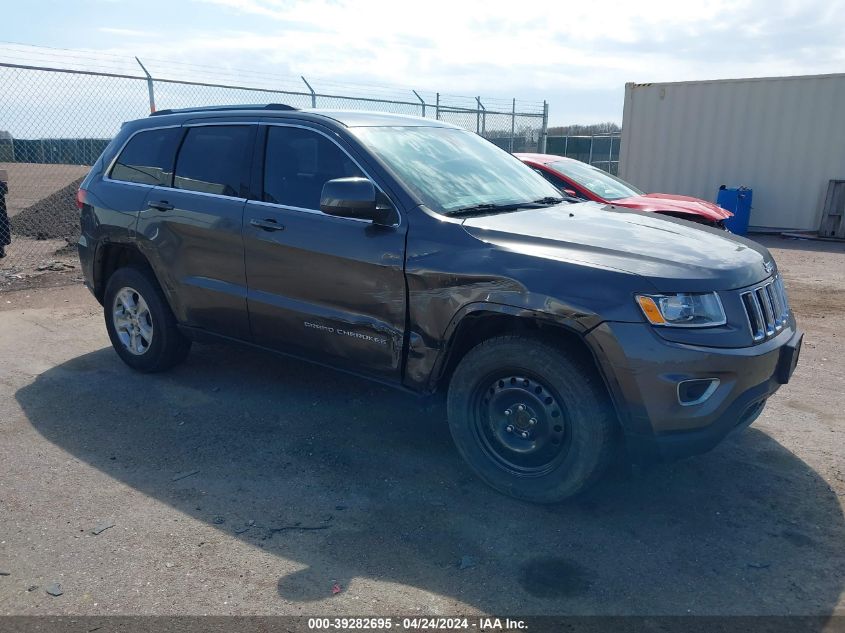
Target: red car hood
[{"x": 674, "y": 204}]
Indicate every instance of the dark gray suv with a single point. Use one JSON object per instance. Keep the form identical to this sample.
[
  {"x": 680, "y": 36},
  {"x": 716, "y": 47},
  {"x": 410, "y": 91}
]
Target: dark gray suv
[{"x": 422, "y": 256}]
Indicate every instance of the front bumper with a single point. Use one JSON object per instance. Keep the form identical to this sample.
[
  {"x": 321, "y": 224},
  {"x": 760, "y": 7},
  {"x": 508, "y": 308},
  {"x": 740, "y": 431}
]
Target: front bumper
[{"x": 643, "y": 371}]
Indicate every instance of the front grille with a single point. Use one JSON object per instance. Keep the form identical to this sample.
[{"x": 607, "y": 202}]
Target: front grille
[{"x": 767, "y": 308}]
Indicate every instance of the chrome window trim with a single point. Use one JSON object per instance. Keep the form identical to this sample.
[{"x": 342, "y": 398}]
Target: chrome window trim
[
  {"x": 107, "y": 176},
  {"x": 207, "y": 194},
  {"x": 286, "y": 207},
  {"x": 318, "y": 211}
]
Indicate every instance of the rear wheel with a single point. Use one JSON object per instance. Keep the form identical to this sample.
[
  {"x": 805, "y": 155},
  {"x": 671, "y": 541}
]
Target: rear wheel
[
  {"x": 140, "y": 324},
  {"x": 531, "y": 420}
]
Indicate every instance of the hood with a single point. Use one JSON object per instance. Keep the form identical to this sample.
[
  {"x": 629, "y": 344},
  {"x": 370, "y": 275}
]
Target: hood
[
  {"x": 674, "y": 255},
  {"x": 675, "y": 204}
]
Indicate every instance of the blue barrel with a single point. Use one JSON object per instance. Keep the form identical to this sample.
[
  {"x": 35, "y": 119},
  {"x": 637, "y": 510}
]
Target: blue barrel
[{"x": 737, "y": 200}]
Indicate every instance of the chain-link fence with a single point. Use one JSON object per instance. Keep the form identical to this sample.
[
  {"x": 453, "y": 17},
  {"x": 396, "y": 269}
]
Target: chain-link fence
[
  {"x": 599, "y": 150},
  {"x": 55, "y": 122}
]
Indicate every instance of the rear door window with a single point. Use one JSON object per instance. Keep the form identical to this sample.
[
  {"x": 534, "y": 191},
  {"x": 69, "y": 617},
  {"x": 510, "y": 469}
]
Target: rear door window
[
  {"x": 298, "y": 162},
  {"x": 215, "y": 159},
  {"x": 148, "y": 157}
]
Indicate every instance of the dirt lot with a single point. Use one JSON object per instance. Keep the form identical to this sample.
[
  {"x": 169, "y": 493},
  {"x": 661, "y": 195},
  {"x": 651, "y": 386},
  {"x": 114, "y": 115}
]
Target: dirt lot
[
  {"x": 31, "y": 182},
  {"x": 40, "y": 203},
  {"x": 245, "y": 483}
]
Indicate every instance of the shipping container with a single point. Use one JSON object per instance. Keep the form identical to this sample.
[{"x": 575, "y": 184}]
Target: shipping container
[{"x": 783, "y": 137}]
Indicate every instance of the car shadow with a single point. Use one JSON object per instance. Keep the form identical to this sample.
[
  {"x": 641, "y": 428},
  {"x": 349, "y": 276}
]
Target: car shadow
[{"x": 354, "y": 480}]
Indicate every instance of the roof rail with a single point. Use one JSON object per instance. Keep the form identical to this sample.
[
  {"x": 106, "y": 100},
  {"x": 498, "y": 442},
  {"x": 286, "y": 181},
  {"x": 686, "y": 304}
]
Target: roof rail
[{"x": 224, "y": 108}]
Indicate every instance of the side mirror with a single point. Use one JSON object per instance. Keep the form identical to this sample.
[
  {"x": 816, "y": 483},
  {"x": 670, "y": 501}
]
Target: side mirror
[
  {"x": 570, "y": 192},
  {"x": 355, "y": 198}
]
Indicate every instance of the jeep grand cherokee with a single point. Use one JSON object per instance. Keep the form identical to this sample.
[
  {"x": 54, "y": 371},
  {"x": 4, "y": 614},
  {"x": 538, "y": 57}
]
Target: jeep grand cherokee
[{"x": 423, "y": 256}]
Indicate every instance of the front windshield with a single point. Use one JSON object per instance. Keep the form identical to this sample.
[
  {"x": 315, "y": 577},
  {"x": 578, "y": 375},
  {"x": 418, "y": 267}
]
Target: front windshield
[
  {"x": 451, "y": 169},
  {"x": 597, "y": 181}
]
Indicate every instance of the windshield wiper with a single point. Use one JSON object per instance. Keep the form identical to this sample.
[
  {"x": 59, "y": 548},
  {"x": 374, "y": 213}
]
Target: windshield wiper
[
  {"x": 551, "y": 200},
  {"x": 487, "y": 207},
  {"x": 490, "y": 207}
]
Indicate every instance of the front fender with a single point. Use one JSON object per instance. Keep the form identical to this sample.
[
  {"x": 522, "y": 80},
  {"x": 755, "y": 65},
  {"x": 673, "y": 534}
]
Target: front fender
[{"x": 427, "y": 359}]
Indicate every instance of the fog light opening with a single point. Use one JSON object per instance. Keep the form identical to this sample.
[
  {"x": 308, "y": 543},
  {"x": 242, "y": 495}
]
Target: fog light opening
[{"x": 692, "y": 392}]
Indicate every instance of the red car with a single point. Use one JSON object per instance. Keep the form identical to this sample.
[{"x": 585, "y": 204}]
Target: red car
[{"x": 584, "y": 181}]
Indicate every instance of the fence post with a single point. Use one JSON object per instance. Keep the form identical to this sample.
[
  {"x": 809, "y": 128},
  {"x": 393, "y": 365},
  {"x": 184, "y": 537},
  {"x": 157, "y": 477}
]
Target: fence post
[
  {"x": 149, "y": 86},
  {"x": 437, "y": 107},
  {"x": 478, "y": 116},
  {"x": 544, "y": 132},
  {"x": 421, "y": 101},
  {"x": 592, "y": 142},
  {"x": 610, "y": 155},
  {"x": 5, "y": 227},
  {"x": 513, "y": 125},
  {"x": 311, "y": 90}
]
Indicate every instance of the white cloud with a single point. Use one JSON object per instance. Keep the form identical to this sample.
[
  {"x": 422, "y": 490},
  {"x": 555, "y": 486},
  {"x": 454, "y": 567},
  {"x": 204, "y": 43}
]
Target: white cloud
[{"x": 555, "y": 50}]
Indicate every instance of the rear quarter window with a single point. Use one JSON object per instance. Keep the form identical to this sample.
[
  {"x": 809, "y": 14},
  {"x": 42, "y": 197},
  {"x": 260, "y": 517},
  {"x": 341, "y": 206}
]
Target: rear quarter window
[{"x": 148, "y": 158}]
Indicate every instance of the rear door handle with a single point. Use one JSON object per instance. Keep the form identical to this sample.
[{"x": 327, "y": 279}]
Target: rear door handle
[
  {"x": 161, "y": 205},
  {"x": 268, "y": 224}
]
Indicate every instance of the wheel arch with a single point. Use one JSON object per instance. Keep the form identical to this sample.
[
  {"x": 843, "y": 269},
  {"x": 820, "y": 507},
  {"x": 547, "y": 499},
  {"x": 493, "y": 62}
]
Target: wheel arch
[
  {"x": 112, "y": 256},
  {"x": 478, "y": 322}
]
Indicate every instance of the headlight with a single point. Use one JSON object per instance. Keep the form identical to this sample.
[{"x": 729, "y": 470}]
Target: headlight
[{"x": 683, "y": 309}]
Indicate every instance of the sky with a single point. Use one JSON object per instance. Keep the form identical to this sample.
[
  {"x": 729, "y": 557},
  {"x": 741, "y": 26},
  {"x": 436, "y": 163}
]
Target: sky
[{"x": 576, "y": 55}]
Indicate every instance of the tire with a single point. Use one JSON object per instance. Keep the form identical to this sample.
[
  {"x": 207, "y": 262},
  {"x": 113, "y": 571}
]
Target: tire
[
  {"x": 157, "y": 342},
  {"x": 572, "y": 432}
]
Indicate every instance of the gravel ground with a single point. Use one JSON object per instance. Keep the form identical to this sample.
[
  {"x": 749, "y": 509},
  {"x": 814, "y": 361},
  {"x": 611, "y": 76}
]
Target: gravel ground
[{"x": 242, "y": 483}]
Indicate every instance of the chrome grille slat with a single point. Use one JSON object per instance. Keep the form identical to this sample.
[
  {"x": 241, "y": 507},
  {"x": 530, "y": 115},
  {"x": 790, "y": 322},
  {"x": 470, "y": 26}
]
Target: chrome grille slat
[
  {"x": 766, "y": 308},
  {"x": 755, "y": 314},
  {"x": 771, "y": 291},
  {"x": 781, "y": 288}
]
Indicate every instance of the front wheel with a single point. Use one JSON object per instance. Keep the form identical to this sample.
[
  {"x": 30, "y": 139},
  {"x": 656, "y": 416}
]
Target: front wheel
[
  {"x": 531, "y": 420},
  {"x": 140, "y": 324}
]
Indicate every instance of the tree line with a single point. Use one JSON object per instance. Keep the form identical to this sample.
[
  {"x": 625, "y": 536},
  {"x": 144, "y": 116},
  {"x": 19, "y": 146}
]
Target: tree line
[{"x": 584, "y": 130}]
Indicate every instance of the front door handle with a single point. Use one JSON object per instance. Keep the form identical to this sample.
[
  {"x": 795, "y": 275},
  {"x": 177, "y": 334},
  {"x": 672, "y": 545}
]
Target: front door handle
[
  {"x": 268, "y": 224},
  {"x": 161, "y": 205}
]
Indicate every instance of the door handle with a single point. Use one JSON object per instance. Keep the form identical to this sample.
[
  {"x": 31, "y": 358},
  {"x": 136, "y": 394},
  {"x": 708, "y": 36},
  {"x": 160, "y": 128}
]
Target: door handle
[
  {"x": 267, "y": 225},
  {"x": 161, "y": 205}
]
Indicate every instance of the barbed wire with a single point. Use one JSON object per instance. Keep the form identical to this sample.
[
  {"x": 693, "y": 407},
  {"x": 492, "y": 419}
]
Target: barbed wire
[{"x": 109, "y": 62}]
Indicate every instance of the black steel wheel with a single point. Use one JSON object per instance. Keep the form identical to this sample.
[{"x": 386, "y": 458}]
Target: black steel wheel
[
  {"x": 521, "y": 423},
  {"x": 531, "y": 420}
]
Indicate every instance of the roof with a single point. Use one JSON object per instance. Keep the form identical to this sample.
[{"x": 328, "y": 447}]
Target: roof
[
  {"x": 347, "y": 118},
  {"x": 365, "y": 118}
]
